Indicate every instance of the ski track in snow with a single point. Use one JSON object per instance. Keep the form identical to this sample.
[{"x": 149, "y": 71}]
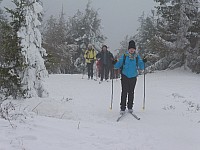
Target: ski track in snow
[{"x": 77, "y": 116}]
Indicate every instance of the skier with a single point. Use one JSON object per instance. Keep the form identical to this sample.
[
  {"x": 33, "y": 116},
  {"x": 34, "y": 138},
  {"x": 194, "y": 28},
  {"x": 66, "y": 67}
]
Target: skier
[
  {"x": 90, "y": 57},
  {"x": 106, "y": 58},
  {"x": 129, "y": 62}
]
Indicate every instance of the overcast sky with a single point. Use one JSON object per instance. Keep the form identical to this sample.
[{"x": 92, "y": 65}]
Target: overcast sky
[{"x": 119, "y": 17}]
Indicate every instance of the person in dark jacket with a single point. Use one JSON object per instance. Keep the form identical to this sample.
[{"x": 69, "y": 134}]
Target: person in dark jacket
[
  {"x": 130, "y": 62},
  {"x": 106, "y": 58}
]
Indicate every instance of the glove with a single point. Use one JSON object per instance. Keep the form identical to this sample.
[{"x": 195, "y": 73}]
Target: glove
[
  {"x": 144, "y": 60},
  {"x": 114, "y": 61}
]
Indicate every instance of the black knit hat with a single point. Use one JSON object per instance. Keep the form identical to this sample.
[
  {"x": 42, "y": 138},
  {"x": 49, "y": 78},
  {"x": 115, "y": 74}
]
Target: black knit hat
[
  {"x": 104, "y": 46},
  {"x": 131, "y": 44}
]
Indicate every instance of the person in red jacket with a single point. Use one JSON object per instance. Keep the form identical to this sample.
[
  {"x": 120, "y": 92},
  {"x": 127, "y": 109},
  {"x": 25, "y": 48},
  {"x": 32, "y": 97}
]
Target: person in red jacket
[{"x": 98, "y": 64}]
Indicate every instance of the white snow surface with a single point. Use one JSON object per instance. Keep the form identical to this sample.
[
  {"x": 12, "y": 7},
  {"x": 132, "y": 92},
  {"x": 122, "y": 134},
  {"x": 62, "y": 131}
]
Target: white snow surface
[{"x": 77, "y": 116}]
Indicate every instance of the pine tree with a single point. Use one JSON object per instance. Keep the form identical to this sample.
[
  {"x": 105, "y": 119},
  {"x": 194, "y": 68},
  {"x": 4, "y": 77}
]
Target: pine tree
[
  {"x": 11, "y": 63},
  {"x": 66, "y": 40},
  {"x": 50, "y": 44},
  {"x": 1, "y": 20},
  {"x": 86, "y": 27},
  {"x": 1, "y": 13},
  {"x": 146, "y": 39},
  {"x": 193, "y": 55},
  {"x": 31, "y": 43},
  {"x": 175, "y": 20},
  {"x": 26, "y": 23},
  {"x": 60, "y": 49}
]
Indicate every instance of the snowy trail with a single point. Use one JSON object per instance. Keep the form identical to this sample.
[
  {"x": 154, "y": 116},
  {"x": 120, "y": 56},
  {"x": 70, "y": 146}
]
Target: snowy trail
[{"x": 170, "y": 120}]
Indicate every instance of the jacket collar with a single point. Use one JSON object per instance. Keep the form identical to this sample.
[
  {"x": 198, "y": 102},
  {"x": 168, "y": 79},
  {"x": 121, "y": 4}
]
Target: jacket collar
[{"x": 131, "y": 56}]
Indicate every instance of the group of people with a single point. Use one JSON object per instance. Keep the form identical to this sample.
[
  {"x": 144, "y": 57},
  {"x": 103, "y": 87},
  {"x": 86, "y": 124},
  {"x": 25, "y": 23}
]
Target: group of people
[
  {"x": 103, "y": 62},
  {"x": 129, "y": 64}
]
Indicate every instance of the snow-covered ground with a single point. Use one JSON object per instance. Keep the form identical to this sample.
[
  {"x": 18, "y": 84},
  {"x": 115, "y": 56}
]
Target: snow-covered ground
[{"x": 77, "y": 116}]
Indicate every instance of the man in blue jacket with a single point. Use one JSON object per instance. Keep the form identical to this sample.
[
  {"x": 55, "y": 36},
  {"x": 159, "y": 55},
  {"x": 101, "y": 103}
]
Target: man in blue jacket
[{"x": 130, "y": 63}]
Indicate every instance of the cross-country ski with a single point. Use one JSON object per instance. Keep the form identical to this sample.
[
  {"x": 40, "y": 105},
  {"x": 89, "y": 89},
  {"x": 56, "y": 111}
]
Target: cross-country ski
[
  {"x": 126, "y": 113},
  {"x": 135, "y": 116},
  {"x": 121, "y": 116}
]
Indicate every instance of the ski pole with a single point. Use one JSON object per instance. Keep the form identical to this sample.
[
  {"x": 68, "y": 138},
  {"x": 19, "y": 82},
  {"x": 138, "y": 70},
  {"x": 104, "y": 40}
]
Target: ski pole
[
  {"x": 83, "y": 71},
  {"x": 96, "y": 71},
  {"x": 112, "y": 92},
  {"x": 144, "y": 88}
]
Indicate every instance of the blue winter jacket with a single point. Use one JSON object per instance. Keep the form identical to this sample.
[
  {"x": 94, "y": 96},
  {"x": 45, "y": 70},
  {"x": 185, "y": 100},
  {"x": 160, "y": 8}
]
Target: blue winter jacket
[{"x": 130, "y": 69}]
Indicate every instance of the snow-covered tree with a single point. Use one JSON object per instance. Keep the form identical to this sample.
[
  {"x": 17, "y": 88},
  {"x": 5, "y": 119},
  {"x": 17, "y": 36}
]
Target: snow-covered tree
[
  {"x": 66, "y": 40},
  {"x": 85, "y": 27},
  {"x": 193, "y": 54},
  {"x": 25, "y": 22},
  {"x": 171, "y": 34},
  {"x": 61, "y": 51},
  {"x": 1, "y": 12},
  {"x": 2, "y": 21},
  {"x": 55, "y": 32},
  {"x": 31, "y": 43},
  {"x": 146, "y": 39},
  {"x": 11, "y": 63},
  {"x": 177, "y": 18}
]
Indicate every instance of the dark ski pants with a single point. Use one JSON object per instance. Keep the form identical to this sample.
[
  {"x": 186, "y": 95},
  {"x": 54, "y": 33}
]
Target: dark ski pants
[
  {"x": 90, "y": 70},
  {"x": 104, "y": 72},
  {"x": 128, "y": 87}
]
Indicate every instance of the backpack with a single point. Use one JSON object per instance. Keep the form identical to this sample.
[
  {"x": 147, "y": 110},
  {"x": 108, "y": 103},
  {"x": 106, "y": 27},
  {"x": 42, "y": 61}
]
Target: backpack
[{"x": 124, "y": 59}]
